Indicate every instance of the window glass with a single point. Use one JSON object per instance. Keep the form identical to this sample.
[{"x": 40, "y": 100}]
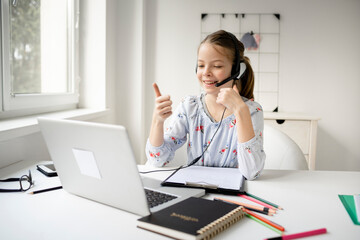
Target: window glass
[{"x": 39, "y": 46}]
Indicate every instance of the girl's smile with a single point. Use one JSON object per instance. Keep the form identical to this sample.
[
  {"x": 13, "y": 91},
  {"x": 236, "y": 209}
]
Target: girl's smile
[{"x": 209, "y": 83}]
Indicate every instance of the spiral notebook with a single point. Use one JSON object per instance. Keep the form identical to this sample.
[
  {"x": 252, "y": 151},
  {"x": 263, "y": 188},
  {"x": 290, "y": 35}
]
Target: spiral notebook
[{"x": 193, "y": 218}]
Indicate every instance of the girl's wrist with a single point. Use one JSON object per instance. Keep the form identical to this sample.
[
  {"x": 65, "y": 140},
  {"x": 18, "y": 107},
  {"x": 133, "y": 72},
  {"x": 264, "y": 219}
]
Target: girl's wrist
[
  {"x": 157, "y": 120},
  {"x": 240, "y": 110}
]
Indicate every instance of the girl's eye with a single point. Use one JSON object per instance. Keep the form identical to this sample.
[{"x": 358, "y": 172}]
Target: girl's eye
[
  {"x": 200, "y": 66},
  {"x": 218, "y": 66}
]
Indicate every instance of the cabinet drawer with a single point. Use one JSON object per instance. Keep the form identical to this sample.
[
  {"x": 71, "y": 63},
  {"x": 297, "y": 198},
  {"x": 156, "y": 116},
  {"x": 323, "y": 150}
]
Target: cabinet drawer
[{"x": 297, "y": 130}]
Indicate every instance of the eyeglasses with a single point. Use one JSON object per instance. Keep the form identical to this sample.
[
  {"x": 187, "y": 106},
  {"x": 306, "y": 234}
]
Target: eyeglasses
[{"x": 25, "y": 181}]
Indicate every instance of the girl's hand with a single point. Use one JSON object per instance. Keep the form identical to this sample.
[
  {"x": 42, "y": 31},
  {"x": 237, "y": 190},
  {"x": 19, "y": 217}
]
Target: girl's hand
[
  {"x": 230, "y": 98},
  {"x": 163, "y": 108}
]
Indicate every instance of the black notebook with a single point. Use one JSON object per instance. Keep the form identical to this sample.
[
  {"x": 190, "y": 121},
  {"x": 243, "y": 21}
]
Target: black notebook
[{"x": 193, "y": 218}]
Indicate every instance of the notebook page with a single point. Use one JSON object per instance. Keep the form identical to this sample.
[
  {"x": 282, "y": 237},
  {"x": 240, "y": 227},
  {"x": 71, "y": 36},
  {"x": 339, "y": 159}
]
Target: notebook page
[
  {"x": 357, "y": 206},
  {"x": 228, "y": 178}
]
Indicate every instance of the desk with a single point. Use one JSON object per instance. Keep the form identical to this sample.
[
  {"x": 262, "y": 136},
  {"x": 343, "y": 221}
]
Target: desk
[{"x": 309, "y": 198}]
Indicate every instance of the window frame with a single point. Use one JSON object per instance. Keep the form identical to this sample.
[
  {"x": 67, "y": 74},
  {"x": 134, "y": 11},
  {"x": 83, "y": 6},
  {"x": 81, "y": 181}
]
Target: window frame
[{"x": 16, "y": 105}]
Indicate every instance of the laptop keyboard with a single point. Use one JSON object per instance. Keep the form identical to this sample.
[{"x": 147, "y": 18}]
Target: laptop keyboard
[{"x": 155, "y": 198}]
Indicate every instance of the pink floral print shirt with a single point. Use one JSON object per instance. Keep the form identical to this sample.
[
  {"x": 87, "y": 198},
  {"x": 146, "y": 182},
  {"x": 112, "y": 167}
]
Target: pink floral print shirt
[{"x": 191, "y": 123}]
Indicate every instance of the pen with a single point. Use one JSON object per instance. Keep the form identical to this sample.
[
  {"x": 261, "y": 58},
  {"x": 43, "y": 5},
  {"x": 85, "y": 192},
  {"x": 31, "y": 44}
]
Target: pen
[
  {"x": 46, "y": 190},
  {"x": 299, "y": 235},
  {"x": 256, "y": 201},
  {"x": 259, "y": 211},
  {"x": 264, "y": 224},
  {"x": 251, "y": 209},
  {"x": 247, "y": 205},
  {"x": 271, "y": 223},
  {"x": 264, "y": 201}
]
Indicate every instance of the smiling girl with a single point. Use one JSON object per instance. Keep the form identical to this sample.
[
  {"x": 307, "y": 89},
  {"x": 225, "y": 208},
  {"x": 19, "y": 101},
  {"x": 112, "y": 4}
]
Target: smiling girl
[{"x": 227, "y": 111}]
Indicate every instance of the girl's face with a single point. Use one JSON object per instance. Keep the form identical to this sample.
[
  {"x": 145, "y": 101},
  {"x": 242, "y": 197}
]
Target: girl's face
[{"x": 213, "y": 66}]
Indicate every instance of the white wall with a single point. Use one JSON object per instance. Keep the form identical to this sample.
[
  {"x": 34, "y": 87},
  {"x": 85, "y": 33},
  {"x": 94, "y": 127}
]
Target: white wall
[
  {"x": 26, "y": 148},
  {"x": 128, "y": 26},
  {"x": 157, "y": 40},
  {"x": 319, "y": 63}
]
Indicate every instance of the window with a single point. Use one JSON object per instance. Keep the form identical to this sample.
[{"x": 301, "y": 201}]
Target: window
[{"x": 39, "y": 56}]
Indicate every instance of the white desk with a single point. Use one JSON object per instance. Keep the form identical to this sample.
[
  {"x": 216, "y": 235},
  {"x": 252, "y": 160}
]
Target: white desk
[{"x": 309, "y": 198}]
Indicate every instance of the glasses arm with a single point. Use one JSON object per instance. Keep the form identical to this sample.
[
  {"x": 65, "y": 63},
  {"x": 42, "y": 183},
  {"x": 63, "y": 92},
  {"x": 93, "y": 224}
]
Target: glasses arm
[
  {"x": 10, "y": 180},
  {"x": 10, "y": 190},
  {"x": 27, "y": 178}
]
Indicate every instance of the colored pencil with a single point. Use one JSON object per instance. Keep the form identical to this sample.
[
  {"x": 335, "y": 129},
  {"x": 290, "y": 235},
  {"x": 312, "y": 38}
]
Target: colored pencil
[
  {"x": 264, "y": 201},
  {"x": 275, "y": 225},
  {"x": 300, "y": 235},
  {"x": 45, "y": 190},
  {"x": 256, "y": 201},
  {"x": 264, "y": 224},
  {"x": 258, "y": 211},
  {"x": 251, "y": 209},
  {"x": 247, "y": 205}
]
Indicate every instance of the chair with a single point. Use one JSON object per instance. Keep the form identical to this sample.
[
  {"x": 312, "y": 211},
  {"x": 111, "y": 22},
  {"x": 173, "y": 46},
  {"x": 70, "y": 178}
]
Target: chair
[{"x": 281, "y": 151}]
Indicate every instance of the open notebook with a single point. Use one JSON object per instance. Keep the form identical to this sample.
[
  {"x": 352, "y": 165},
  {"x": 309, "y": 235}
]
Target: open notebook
[{"x": 213, "y": 179}]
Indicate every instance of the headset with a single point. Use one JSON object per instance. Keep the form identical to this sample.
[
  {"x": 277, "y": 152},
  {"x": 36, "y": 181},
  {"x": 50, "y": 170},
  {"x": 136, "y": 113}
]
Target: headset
[{"x": 238, "y": 68}]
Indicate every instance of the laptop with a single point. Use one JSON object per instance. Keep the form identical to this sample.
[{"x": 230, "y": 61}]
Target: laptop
[{"x": 96, "y": 161}]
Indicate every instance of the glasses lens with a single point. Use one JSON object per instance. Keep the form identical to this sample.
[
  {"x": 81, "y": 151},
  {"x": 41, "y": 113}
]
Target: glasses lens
[{"x": 25, "y": 183}]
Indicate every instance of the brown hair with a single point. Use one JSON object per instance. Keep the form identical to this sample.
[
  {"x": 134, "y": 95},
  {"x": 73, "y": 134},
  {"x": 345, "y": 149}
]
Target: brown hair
[{"x": 223, "y": 39}]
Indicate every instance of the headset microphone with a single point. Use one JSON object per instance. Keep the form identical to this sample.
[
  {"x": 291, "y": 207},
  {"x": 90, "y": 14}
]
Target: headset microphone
[
  {"x": 235, "y": 77},
  {"x": 224, "y": 81}
]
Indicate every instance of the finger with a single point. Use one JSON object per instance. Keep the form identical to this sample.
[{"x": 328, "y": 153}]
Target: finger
[
  {"x": 165, "y": 110},
  {"x": 164, "y": 104},
  {"x": 163, "y": 99},
  {"x": 156, "y": 89},
  {"x": 166, "y": 115}
]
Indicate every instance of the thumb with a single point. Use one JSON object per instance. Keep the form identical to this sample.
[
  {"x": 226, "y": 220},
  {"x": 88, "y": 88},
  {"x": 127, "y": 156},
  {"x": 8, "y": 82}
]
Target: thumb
[
  {"x": 156, "y": 89},
  {"x": 236, "y": 89}
]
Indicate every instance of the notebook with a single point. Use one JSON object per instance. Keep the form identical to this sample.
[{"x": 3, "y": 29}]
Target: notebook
[
  {"x": 349, "y": 202},
  {"x": 193, "y": 218},
  {"x": 213, "y": 179},
  {"x": 96, "y": 161}
]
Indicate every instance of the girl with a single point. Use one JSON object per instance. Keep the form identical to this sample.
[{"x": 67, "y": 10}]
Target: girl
[{"x": 228, "y": 111}]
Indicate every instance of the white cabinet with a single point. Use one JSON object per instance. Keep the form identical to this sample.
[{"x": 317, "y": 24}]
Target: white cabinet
[{"x": 301, "y": 128}]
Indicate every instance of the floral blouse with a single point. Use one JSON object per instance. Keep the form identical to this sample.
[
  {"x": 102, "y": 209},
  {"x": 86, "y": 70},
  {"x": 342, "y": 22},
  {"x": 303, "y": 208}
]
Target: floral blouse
[{"x": 191, "y": 120}]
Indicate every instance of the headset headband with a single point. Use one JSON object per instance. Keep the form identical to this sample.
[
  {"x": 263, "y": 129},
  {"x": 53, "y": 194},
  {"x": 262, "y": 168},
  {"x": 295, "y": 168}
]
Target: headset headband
[{"x": 235, "y": 70}]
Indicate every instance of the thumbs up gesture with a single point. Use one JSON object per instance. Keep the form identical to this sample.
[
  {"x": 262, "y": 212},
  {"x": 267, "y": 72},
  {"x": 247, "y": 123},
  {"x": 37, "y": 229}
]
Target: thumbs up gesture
[{"x": 163, "y": 108}]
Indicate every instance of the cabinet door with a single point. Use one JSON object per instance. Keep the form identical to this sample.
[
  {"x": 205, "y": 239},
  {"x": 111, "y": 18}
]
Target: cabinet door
[{"x": 297, "y": 130}]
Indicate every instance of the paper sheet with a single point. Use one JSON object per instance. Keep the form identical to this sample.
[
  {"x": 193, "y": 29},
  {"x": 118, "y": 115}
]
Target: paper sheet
[
  {"x": 357, "y": 206},
  {"x": 228, "y": 178},
  {"x": 349, "y": 203}
]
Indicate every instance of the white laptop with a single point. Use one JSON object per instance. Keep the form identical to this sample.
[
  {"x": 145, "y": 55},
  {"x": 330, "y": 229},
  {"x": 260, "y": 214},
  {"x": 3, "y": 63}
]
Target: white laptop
[{"x": 96, "y": 161}]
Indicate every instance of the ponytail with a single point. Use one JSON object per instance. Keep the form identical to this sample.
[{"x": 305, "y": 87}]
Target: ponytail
[{"x": 246, "y": 83}]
